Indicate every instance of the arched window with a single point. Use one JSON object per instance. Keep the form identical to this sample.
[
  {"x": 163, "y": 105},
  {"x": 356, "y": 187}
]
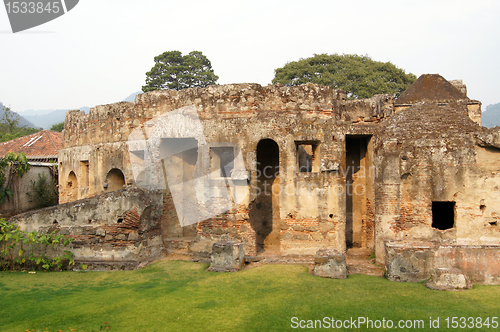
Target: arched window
[
  {"x": 115, "y": 180},
  {"x": 72, "y": 187}
]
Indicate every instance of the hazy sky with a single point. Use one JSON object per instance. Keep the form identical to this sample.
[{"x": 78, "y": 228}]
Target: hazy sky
[{"x": 99, "y": 52}]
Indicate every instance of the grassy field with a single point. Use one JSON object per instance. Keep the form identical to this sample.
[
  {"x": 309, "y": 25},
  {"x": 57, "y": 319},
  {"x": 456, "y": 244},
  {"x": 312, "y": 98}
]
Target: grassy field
[{"x": 182, "y": 296}]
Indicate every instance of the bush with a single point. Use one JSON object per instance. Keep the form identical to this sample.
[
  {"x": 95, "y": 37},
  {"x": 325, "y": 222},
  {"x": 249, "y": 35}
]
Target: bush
[
  {"x": 19, "y": 249},
  {"x": 43, "y": 192}
]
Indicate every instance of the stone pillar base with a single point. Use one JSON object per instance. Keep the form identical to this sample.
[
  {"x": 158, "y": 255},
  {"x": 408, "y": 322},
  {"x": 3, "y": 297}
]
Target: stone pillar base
[
  {"x": 227, "y": 256},
  {"x": 448, "y": 279},
  {"x": 330, "y": 263}
]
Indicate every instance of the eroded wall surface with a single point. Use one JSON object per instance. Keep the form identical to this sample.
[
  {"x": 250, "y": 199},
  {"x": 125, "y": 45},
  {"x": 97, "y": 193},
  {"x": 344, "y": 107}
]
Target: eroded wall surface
[
  {"x": 430, "y": 162},
  {"x": 402, "y": 168},
  {"x": 110, "y": 231}
]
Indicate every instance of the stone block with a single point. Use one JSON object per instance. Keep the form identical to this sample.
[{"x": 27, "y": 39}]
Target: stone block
[
  {"x": 227, "y": 256},
  {"x": 121, "y": 237},
  {"x": 448, "y": 279},
  {"x": 133, "y": 236},
  {"x": 330, "y": 263},
  {"x": 408, "y": 262}
]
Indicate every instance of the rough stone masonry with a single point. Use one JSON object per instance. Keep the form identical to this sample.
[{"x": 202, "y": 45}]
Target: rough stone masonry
[{"x": 288, "y": 171}]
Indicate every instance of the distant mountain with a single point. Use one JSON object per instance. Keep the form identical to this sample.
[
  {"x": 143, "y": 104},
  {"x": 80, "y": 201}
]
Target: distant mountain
[
  {"x": 22, "y": 120},
  {"x": 491, "y": 116},
  {"x": 132, "y": 96},
  {"x": 46, "y": 118}
]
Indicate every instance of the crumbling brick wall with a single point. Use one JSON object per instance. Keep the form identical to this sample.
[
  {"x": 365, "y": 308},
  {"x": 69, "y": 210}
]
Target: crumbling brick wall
[
  {"x": 429, "y": 153},
  {"x": 420, "y": 154},
  {"x": 120, "y": 229}
]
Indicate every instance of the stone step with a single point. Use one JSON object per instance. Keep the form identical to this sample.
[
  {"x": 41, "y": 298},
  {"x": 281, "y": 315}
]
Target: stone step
[
  {"x": 289, "y": 259},
  {"x": 358, "y": 254},
  {"x": 178, "y": 243},
  {"x": 368, "y": 269}
]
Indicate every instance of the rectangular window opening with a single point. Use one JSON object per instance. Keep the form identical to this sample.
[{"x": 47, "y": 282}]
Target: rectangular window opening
[
  {"x": 443, "y": 215},
  {"x": 307, "y": 157},
  {"x": 84, "y": 173},
  {"x": 223, "y": 159}
]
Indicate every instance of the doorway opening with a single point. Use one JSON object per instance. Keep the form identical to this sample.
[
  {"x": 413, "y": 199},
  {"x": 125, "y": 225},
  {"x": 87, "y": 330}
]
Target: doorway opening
[
  {"x": 178, "y": 160},
  {"x": 359, "y": 178},
  {"x": 264, "y": 210}
]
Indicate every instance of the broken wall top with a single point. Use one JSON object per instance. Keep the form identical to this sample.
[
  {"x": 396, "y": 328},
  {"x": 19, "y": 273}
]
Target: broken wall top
[
  {"x": 114, "y": 122},
  {"x": 432, "y": 121},
  {"x": 433, "y": 88}
]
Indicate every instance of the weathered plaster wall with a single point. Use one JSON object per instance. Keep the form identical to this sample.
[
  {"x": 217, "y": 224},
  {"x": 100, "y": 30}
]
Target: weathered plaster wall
[
  {"x": 310, "y": 209},
  {"x": 20, "y": 201},
  {"x": 429, "y": 153},
  {"x": 416, "y": 261},
  {"x": 423, "y": 153},
  {"x": 120, "y": 229}
]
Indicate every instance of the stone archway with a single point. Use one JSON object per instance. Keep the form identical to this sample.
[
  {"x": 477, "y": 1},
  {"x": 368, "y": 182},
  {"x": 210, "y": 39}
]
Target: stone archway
[{"x": 115, "y": 180}]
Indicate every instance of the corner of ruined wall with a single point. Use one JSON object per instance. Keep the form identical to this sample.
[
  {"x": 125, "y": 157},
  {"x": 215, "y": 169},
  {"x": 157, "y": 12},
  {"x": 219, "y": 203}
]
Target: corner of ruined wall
[
  {"x": 371, "y": 109},
  {"x": 417, "y": 261},
  {"x": 120, "y": 229}
]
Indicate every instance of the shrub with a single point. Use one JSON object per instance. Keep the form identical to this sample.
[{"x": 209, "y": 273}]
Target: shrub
[{"x": 43, "y": 192}]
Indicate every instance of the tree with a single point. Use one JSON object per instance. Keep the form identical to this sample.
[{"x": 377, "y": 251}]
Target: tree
[
  {"x": 359, "y": 76},
  {"x": 10, "y": 128},
  {"x": 58, "y": 127},
  {"x": 174, "y": 71}
]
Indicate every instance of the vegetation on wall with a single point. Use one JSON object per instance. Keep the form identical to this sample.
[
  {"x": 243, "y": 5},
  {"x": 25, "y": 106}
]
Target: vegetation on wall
[
  {"x": 21, "y": 249},
  {"x": 359, "y": 76},
  {"x": 14, "y": 164},
  {"x": 174, "y": 71}
]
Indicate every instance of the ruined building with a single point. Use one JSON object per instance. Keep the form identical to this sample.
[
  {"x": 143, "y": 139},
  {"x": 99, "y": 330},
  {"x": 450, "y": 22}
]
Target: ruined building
[{"x": 284, "y": 170}]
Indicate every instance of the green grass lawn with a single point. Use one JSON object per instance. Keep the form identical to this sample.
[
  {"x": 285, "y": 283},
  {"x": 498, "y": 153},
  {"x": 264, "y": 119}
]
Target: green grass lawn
[{"x": 182, "y": 296}]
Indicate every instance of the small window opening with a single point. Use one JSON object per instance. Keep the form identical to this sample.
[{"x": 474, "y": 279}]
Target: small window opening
[
  {"x": 443, "y": 215},
  {"x": 223, "y": 159},
  {"x": 120, "y": 220},
  {"x": 493, "y": 223},
  {"x": 55, "y": 222},
  {"x": 307, "y": 159},
  {"x": 84, "y": 173},
  {"x": 331, "y": 215}
]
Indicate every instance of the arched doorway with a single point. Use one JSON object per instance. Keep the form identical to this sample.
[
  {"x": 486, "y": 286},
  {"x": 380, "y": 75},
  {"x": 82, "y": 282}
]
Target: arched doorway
[
  {"x": 72, "y": 187},
  {"x": 115, "y": 180},
  {"x": 264, "y": 210}
]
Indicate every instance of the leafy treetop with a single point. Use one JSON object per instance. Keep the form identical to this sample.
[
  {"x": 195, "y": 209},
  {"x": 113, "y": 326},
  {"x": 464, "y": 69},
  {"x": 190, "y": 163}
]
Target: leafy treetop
[
  {"x": 359, "y": 76},
  {"x": 58, "y": 127},
  {"x": 174, "y": 71},
  {"x": 10, "y": 128}
]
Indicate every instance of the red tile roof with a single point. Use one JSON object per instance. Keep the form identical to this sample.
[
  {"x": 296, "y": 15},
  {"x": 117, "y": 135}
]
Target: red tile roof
[{"x": 41, "y": 145}]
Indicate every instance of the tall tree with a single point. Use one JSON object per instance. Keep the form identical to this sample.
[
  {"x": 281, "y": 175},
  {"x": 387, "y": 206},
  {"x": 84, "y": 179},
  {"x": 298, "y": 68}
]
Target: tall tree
[
  {"x": 174, "y": 71},
  {"x": 359, "y": 76},
  {"x": 10, "y": 128}
]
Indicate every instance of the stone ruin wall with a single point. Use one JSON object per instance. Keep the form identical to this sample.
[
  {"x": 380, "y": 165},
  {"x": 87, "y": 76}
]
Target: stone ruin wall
[
  {"x": 421, "y": 155},
  {"x": 117, "y": 230},
  {"x": 243, "y": 115},
  {"x": 432, "y": 154}
]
